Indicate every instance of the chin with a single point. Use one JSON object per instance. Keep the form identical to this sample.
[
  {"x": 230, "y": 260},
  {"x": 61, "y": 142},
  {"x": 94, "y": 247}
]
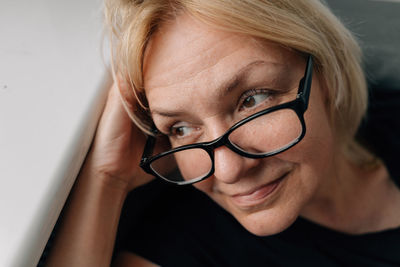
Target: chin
[{"x": 266, "y": 223}]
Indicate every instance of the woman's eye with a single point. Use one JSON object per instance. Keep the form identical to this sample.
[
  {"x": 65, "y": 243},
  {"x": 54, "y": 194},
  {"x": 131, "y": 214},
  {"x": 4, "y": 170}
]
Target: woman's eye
[
  {"x": 254, "y": 98},
  {"x": 180, "y": 131}
]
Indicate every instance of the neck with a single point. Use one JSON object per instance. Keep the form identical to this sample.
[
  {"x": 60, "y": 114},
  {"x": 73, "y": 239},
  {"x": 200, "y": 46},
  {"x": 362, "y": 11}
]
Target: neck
[{"x": 355, "y": 200}]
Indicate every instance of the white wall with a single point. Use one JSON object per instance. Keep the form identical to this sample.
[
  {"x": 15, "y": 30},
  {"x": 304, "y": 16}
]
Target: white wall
[{"x": 52, "y": 91}]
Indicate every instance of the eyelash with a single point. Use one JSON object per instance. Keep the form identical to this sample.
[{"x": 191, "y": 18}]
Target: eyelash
[
  {"x": 253, "y": 92},
  {"x": 167, "y": 129}
]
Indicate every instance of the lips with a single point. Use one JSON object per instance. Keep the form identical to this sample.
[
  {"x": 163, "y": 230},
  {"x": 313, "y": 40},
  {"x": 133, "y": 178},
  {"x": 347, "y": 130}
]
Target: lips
[{"x": 257, "y": 195}]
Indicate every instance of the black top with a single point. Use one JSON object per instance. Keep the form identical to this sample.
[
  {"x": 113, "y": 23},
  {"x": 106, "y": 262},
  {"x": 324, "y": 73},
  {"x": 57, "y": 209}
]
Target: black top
[{"x": 175, "y": 226}]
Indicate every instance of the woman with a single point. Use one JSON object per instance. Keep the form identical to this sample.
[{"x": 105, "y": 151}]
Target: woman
[{"x": 274, "y": 93}]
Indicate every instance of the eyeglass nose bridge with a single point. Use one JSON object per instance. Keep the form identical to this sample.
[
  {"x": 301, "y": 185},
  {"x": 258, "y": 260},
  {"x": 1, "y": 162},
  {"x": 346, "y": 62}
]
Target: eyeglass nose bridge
[{"x": 223, "y": 140}]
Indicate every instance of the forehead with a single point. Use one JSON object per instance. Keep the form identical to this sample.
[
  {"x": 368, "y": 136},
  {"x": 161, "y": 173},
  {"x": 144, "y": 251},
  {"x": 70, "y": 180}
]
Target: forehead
[
  {"x": 186, "y": 52},
  {"x": 181, "y": 47}
]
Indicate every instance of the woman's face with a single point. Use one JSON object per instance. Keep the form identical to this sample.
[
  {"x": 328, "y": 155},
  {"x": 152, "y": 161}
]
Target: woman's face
[{"x": 197, "y": 78}]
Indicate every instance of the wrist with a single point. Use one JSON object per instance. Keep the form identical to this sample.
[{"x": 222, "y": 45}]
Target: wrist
[{"x": 103, "y": 181}]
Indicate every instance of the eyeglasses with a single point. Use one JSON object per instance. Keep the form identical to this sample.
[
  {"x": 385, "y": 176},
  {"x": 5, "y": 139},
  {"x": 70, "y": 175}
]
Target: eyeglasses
[{"x": 263, "y": 134}]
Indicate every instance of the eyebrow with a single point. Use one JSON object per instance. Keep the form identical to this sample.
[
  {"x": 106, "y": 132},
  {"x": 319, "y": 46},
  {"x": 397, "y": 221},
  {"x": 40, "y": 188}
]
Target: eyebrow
[
  {"x": 227, "y": 86},
  {"x": 237, "y": 79}
]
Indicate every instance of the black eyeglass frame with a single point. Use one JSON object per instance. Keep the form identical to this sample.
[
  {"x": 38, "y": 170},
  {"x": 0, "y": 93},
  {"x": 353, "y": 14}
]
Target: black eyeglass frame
[{"x": 299, "y": 105}]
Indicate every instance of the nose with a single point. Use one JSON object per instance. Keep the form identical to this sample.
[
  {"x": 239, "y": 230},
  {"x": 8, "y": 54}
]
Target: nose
[{"x": 228, "y": 165}]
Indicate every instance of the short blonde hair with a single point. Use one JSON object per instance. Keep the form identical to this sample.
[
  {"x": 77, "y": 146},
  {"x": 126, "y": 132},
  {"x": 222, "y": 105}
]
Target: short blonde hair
[{"x": 307, "y": 26}]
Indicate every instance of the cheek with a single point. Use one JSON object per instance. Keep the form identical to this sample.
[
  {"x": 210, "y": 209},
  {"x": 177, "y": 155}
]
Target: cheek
[
  {"x": 319, "y": 140},
  {"x": 206, "y": 186},
  {"x": 315, "y": 153},
  {"x": 193, "y": 163},
  {"x": 269, "y": 132}
]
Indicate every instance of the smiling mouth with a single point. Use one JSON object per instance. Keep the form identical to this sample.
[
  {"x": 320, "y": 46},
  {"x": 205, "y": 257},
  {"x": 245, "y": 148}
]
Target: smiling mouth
[{"x": 257, "y": 196}]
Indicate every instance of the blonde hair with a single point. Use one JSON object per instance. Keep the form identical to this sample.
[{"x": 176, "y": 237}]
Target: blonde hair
[{"x": 306, "y": 26}]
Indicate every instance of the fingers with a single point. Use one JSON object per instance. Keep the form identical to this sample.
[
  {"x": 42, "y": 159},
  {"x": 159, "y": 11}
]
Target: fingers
[
  {"x": 114, "y": 121},
  {"x": 118, "y": 145}
]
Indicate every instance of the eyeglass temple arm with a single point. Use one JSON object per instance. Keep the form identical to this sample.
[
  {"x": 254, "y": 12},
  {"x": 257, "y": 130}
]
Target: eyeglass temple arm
[
  {"x": 305, "y": 83},
  {"x": 149, "y": 146}
]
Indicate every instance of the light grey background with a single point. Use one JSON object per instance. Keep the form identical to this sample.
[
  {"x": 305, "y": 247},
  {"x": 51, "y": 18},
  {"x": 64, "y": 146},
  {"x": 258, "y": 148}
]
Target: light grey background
[{"x": 51, "y": 94}]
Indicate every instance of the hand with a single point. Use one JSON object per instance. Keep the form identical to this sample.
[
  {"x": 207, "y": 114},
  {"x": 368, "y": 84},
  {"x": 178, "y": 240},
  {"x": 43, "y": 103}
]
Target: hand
[{"x": 117, "y": 148}]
